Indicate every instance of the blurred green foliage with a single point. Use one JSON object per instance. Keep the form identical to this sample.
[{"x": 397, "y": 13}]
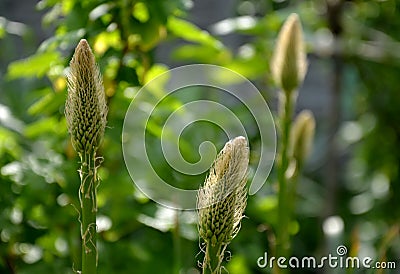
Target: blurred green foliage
[{"x": 39, "y": 229}]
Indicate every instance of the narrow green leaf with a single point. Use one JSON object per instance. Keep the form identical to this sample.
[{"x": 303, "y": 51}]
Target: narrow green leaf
[
  {"x": 34, "y": 66},
  {"x": 69, "y": 38},
  {"x": 48, "y": 104},
  {"x": 189, "y": 32},
  {"x": 48, "y": 125},
  {"x": 9, "y": 143},
  {"x": 201, "y": 53}
]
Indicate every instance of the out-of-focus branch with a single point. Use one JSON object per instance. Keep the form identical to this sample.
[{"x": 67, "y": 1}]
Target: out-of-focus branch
[{"x": 334, "y": 12}]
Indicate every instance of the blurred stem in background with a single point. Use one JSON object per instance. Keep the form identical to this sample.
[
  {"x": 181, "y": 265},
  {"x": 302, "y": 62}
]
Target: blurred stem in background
[
  {"x": 288, "y": 68},
  {"x": 334, "y": 12}
]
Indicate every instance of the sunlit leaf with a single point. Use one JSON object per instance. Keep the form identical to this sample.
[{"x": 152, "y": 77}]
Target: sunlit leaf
[
  {"x": 249, "y": 68},
  {"x": 190, "y": 32},
  {"x": 49, "y": 125},
  {"x": 154, "y": 129},
  {"x": 155, "y": 71},
  {"x": 140, "y": 12},
  {"x": 105, "y": 40},
  {"x": 52, "y": 14},
  {"x": 59, "y": 84},
  {"x": 155, "y": 87},
  {"x": 70, "y": 38},
  {"x": 202, "y": 53},
  {"x": 8, "y": 143},
  {"x": 237, "y": 265},
  {"x": 2, "y": 31},
  {"x": 67, "y": 5},
  {"x": 268, "y": 203},
  {"x": 34, "y": 66},
  {"x": 48, "y": 104}
]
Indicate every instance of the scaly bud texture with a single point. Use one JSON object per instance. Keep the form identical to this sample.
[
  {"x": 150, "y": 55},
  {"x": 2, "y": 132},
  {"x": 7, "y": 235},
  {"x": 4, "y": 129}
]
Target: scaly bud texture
[
  {"x": 85, "y": 109},
  {"x": 222, "y": 200},
  {"x": 289, "y": 63},
  {"x": 86, "y": 113}
]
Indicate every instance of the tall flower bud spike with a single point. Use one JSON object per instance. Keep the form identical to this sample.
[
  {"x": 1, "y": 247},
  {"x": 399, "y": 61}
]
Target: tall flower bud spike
[
  {"x": 86, "y": 113},
  {"x": 289, "y": 63},
  {"x": 222, "y": 200},
  {"x": 85, "y": 109}
]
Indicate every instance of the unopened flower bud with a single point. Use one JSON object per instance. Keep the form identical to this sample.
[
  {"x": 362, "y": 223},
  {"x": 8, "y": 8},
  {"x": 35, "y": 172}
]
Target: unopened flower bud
[
  {"x": 222, "y": 199},
  {"x": 85, "y": 108},
  {"x": 302, "y": 136},
  {"x": 289, "y": 63}
]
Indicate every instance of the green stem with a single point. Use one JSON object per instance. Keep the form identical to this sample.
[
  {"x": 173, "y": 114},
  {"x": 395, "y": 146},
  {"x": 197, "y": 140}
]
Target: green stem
[
  {"x": 213, "y": 259},
  {"x": 292, "y": 191},
  {"x": 87, "y": 197},
  {"x": 286, "y": 113}
]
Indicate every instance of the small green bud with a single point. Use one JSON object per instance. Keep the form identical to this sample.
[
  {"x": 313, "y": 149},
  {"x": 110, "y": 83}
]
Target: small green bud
[
  {"x": 302, "y": 136},
  {"x": 222, "y": 199},
  {"x": 85, "y": 108},
  {"x": 289, "y": 63}
]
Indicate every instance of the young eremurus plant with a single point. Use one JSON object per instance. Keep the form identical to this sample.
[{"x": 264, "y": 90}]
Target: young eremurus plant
[
  {"x": 86, "y": 114},
  {"x": 288, "y": 67},
  {"x": 221, "y": 202}
]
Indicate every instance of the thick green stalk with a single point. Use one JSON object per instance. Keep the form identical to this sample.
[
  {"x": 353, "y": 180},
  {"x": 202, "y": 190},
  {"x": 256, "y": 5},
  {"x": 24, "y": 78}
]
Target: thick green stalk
[
  {"x": 213, "y": 259},
  {"x": 288, "y": 67},
  {"x": 286, "y": 112},
  {"x": 87, "y": 197}
]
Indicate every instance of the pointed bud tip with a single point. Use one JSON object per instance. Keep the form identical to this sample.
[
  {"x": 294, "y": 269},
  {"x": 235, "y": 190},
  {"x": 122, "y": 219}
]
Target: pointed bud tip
[
  {"x": 83, "y": 55},
  {"x": 83, "y": 43},
  {"x": 289, "y": 62},
  {"x": 307, "y": 115},
  {"x": 83, "y": 47},
  {"x": 293, "y": 19}
]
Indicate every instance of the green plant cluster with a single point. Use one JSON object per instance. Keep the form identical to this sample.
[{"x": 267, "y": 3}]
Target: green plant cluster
[{"x": 354, "y": 43}]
